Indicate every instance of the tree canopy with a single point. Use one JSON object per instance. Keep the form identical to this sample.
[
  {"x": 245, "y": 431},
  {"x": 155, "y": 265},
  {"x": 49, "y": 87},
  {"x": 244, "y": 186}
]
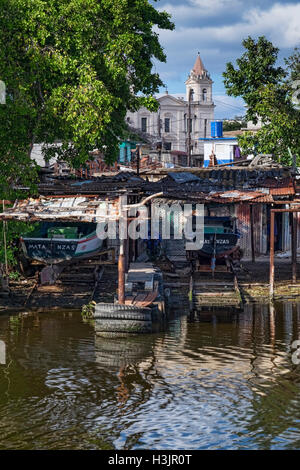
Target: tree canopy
[
  {"x": 72, "y": 69},
  {"x": 268, "y": 93},
  {"x": 255, "y": 69}
]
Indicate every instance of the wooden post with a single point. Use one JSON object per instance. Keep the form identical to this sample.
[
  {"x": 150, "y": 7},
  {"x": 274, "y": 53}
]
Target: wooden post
[
  {"x": 191, "y": 293},
  {"x": 121, "y": 273},
  {"x": 127, "y": 251},
  {"x": 294, "y": 246},
  {"x": 252, "y": 234},
  {"x": 4, "y": 242},
  {"x": 123, "y": 234},
  {"x": 272, "y": 235}
]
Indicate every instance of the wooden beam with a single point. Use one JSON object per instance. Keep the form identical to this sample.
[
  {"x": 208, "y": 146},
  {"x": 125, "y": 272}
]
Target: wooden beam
[{"x": 294, "y": 247}]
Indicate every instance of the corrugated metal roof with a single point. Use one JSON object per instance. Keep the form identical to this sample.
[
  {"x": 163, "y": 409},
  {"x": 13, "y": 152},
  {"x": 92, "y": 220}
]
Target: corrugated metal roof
[
  {"x": 239, "y": 195},
  {"x": 89, "y": 209},
  {"x": 284, "y": 191},
  {"x": 225, "y": 197},
  {"x": 71, "y": 209},
  {"x": 184, "y": 177}
]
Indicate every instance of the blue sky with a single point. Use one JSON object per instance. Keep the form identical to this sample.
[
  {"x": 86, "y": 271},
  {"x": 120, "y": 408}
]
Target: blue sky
[{"x": 216, "y": 29}]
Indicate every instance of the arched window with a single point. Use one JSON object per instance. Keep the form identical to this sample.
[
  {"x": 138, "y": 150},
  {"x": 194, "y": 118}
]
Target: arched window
[{"x": 204, "y": 94}]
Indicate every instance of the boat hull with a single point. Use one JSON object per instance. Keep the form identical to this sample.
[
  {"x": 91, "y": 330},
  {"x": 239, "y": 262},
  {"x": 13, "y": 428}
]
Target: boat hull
[
  {"x": 53, "y": 251},
  {"x": 223, "y": 245}
]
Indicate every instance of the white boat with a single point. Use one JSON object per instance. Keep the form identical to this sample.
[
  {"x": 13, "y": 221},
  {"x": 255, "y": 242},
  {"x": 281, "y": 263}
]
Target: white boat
[{"x": 53, "y": 243}]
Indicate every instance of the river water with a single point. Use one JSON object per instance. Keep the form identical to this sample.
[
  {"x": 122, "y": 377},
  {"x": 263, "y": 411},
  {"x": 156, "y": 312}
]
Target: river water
[{"x": 223, "y": 381}]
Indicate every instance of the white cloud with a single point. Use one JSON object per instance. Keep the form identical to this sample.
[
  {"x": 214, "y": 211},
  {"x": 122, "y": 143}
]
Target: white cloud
[
  {"x": 219, "y": 39},
  {"x": 200, "y": 9},
  {"x": 213, "y": 7},
  {"x": 280, "y": 24}
]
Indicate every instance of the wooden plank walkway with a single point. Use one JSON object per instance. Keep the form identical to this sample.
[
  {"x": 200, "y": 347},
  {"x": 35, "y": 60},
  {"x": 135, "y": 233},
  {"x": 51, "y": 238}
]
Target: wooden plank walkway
[{"x": 215, "y": 293}]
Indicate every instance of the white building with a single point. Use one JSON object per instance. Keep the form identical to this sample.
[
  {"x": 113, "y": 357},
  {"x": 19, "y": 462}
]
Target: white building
[
  {"x": 169, "y": 126},
  {"x": 224, "y": 148}
]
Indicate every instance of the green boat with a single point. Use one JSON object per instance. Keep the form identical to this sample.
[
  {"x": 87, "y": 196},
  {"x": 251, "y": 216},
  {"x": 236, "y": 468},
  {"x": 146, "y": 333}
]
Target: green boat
[{"x": 56, "y": 242}]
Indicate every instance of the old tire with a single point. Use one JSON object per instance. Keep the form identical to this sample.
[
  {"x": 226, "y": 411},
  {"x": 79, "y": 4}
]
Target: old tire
[
  {"x": 123, "y": 326},
  {"x": 121, "y": 312},
  {"x": 106, "y": 307},
  {"x": 123, "y": 316}
]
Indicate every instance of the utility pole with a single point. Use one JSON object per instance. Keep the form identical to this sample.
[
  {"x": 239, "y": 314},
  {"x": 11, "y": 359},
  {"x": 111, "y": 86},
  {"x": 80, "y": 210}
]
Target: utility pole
[
  {"x": 138, "y": 157},
  {"x": 159, "y": 123},
  {"x": 189, "y": 129},
  {"x": 159, "y": 129}
]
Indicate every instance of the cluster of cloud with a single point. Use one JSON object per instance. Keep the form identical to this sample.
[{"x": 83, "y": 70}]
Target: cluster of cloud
[{"x": 216, "y": 28}]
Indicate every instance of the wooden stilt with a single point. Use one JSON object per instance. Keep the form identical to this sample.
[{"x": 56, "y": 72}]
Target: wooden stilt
[
  {"x": 294, "y": 247},
  {"x": 272, "y": 240},
  {"x": 5, "y": 243}
]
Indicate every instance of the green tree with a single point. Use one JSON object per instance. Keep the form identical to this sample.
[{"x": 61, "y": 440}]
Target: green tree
[
  {"x": 279, "y": 134},
  {"x": 255, "y": 69},
  {"x": 13, "y": 231},
  {"x": 72, "y": 69},
  {"x": 268, "y": 93},
  {"x": 293, "y": 65},
  {"x": 233, "y": 126}
]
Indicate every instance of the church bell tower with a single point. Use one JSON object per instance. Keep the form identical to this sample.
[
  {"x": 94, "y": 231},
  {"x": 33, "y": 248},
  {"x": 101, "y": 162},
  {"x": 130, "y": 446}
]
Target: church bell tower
[{"x": 199, "y": 83}]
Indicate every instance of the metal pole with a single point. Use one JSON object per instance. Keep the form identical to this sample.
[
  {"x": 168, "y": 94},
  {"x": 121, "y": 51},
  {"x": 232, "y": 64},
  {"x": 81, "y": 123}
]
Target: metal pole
[
  {"x": 294, "y": 246},
  {"x": 138, "y": 160},
  {"x": 272, "y": 236},
  {"x": 189, "y": 130},
  {"x": 252, "y": 234}
]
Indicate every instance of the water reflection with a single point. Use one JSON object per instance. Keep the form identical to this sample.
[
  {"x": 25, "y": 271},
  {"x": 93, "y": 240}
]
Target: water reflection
[{"x": 225, "y": 380}]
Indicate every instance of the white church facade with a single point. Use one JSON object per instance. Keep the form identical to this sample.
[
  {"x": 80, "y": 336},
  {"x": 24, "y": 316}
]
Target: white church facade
[{"x": 180, "y": 121}]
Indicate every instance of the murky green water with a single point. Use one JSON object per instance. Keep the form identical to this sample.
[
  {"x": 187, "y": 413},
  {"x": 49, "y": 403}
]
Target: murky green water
[{"x": 222, "y": 382}]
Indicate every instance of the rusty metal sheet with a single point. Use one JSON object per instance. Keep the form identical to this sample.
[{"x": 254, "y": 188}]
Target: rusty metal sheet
[
  {"x": 79, "y": 208},
  {"x": 236, "y": 195},
  {"x": 284, "y": 191}
]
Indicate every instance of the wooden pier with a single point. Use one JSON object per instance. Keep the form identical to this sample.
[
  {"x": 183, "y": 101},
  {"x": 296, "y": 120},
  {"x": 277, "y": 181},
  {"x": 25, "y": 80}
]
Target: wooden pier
[{"x": 222, "y": 290}]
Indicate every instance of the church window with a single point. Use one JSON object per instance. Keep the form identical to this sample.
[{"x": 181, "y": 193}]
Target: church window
[
  {"x": 204, "y": 94},
  {"x": 144, "y": 124},
  {"x": 167, "y": 124},
  {"x": 168, "y": 145}
]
